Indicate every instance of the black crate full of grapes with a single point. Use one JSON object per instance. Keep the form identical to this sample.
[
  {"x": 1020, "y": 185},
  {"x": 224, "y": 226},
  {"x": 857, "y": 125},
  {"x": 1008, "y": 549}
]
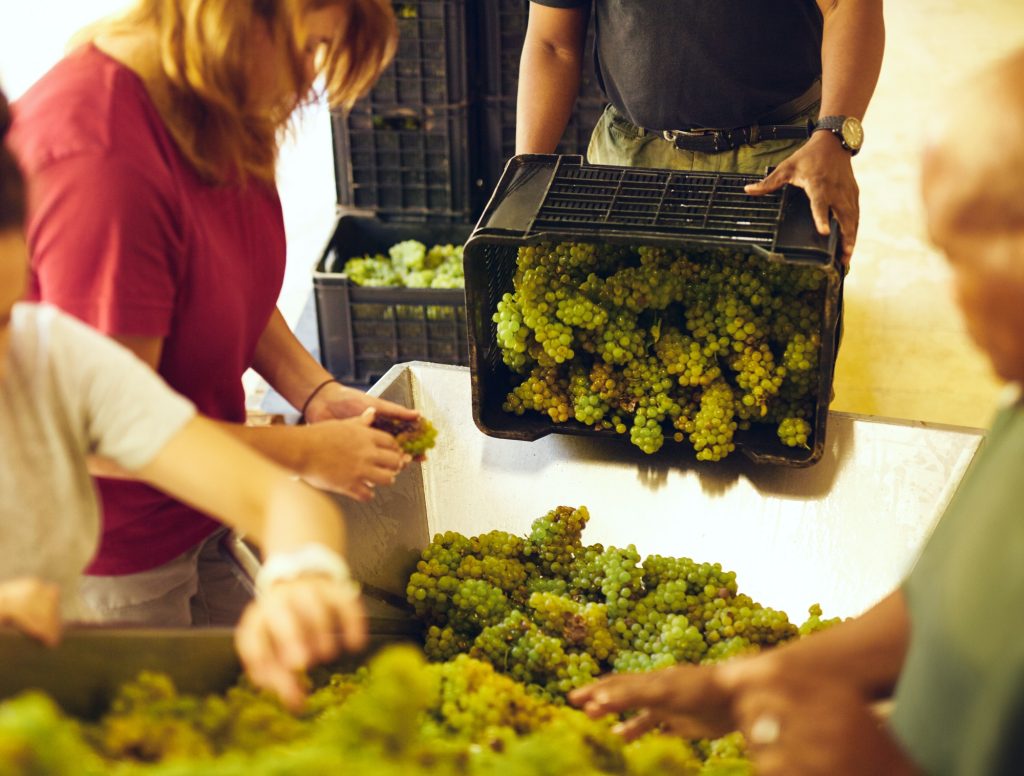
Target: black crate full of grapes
[{"x": 667, "y": 308}]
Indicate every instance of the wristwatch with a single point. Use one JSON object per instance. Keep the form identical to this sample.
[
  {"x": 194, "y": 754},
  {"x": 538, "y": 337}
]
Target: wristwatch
[{"x": 847, "y": 128}]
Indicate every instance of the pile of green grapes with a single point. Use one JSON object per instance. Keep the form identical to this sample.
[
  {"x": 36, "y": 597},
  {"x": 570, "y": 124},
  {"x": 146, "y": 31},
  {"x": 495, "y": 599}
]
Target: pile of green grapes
[
  {"x": 555, "y": 613},
  {"x": 660, "y": 343},
  {"x": 514, "y": 624},
  {"x": 409, "y": 264},
  {"x": 399, "y": 716}
]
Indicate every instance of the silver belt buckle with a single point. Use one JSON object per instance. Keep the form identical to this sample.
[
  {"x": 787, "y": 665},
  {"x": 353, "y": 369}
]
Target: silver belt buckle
[{"x": 672, "y": 134}]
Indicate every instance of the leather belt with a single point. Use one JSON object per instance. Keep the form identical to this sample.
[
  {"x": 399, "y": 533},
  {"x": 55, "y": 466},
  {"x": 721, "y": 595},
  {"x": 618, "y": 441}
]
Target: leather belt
[
  {"x": 771, "y": 126},
  {"x": 717, "y": 140}
]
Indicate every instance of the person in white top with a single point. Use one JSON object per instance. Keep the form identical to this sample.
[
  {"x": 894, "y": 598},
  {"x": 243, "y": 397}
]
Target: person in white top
[{"x": 68, "y": 397}]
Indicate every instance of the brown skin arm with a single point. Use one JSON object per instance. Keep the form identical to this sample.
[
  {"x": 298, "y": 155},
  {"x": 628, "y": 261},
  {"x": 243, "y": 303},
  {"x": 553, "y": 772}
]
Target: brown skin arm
[
  {"x": 549, "y": 76},
  {"x": 824, "y": 728},
  {"x": 866, "y": 653},
  {"x": 851, "y": 59},
  {"x": 852, "y": 46}
]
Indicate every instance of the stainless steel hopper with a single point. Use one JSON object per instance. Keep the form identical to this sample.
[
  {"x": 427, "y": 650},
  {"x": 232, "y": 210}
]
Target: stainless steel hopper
[{"x": 843, "y": 532}]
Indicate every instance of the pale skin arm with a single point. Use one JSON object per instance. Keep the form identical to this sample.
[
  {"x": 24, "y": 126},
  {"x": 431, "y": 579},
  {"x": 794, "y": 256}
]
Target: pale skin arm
[
  {"x": 843, "y": 668},
  {"x": 549, "y": 76},
  {"x": 340, "y": 452},
  {"x": 293, "y": 624},
  {"x": 852, "y": 45}
]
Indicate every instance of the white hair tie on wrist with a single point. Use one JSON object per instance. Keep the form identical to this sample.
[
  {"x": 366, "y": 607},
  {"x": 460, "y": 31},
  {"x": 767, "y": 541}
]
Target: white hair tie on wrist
[{"x": 309, "y": 559}]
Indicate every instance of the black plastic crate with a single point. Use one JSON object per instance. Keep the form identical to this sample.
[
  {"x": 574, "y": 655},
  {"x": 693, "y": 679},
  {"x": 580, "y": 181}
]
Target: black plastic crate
[
  {"x": 404, "y": 149},
  {"x": 405, "y": 162},
  {"x": 503, "y": 28},
  {"x": 556, "y": 199},
  {"x": 498, "y": 120},
  {"x": 364, "y": 331},
  {"x": 502, "y": 31},
  {"x": 430, "y": 65}
]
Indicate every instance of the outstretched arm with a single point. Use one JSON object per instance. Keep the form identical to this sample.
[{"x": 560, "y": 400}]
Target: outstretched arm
[
  {"x": 33, "y": 607},
  {"x": 339, "y": 451},
  {"x": 314, "y": 614},
  {"x": 866, "y": 653}
]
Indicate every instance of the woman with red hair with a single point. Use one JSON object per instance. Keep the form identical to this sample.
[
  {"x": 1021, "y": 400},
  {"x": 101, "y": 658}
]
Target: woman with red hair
[{"x": 150, "y": 152}]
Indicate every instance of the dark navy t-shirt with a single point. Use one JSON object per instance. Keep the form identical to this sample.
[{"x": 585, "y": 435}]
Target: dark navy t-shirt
[{"x": 673, "y": 64}]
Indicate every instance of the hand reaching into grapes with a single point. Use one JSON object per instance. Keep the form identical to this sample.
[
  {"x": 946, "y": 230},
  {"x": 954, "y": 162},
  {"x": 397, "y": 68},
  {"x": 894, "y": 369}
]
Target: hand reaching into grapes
[
  {"x": 296, "y": 624},
  {"x": 691, "y": 700},
  {"x": 32, "y": 606},
  {"x": 795, "y": 723}
]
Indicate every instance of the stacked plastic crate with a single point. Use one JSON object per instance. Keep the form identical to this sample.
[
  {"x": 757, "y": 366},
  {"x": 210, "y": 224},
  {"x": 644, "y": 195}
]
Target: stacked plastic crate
[
  {"x": 502, "y": 25},
  {"x": 403, "y": 168},
  {"x": 417, "y": 159}
]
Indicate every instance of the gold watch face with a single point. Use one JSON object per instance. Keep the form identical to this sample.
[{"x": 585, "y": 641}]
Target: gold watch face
[{"x": 853, "y": 133}]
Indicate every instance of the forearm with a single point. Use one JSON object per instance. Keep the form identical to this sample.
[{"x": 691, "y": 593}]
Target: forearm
[
  {"x": 285, "y": 445},
  {"x": 211, "y": 471},
  {"x": 851, "y": 55},
  {"x": 549, "y": 78},
  {"x": 295, "y": 515},
  {"x": 868, "y": 650},
  {"x": 285, "y": 364}
]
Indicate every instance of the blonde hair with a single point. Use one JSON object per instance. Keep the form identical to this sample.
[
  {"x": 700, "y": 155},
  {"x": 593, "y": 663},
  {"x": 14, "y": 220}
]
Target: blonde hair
[{"x": 201, "y": 73}]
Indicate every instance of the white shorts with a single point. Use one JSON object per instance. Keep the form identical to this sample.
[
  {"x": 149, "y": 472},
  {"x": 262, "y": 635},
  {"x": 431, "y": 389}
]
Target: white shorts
[{"x": 203, "y": 586}]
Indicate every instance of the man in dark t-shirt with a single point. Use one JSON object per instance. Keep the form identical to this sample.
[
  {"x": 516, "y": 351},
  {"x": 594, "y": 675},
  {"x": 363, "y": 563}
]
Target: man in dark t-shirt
[{"x": 727, "y": 85}]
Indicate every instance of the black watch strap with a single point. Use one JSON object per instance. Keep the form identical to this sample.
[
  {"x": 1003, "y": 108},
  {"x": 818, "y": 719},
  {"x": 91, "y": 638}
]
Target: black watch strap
[{"x": 838, "y": 126}]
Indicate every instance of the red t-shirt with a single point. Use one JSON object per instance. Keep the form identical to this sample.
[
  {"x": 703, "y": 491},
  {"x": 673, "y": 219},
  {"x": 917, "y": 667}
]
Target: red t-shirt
[{"x": 126, "y": 236}]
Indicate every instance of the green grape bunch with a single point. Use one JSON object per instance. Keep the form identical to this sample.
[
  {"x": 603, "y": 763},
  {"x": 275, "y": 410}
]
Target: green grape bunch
[
  {"x": 409, "y": 264},
  {"x": 553, "y": 612},
  {"x": 415, "y": 437},
  {"x": 680, "y": 346}
]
